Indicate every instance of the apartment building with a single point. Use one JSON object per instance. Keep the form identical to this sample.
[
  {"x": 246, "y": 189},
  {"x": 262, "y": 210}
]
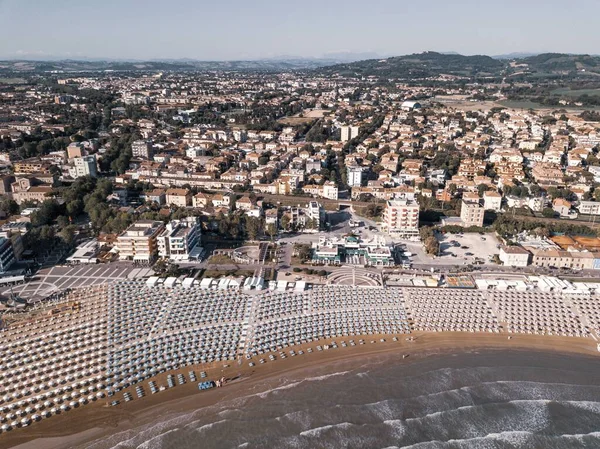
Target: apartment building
[
  {"x": 349, "y": 133},
  {"x": 142, "y": 149},
  {"x": 178, "y": 197},
  {"x": 401, "y": 217},
  {"x": 84, "y": 166},
  {"x": 492, "y": 200},
  {"x": 180, "y": 240},
  {"x": 471, "y": 213},
  {"x": 139, "y": 241},
  {"x": 355, "y": 175},
  {"x": 7, "y": 255},
  {"x": 30, "y": 166},
  {"x": 589, "y": 207}
]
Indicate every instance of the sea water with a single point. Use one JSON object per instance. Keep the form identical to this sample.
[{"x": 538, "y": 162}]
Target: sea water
[{"x": 498, "y": 399}]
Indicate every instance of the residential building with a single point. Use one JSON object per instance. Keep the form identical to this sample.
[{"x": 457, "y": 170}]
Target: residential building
[
  {"x": 492, "y": 201},
  {"x": 589, "y": 207},
  {"x": 355, "y": 175},
  {"x": 7, "y": 255},
  {"x": 349, "y": 133},
  {"x": 330, "y": 190},
  {"x": 562, "y": 207},
  {"x": 157, "y": 196},
  {"x": 142, "y": 149},
  {"x": 180, "y": 240},
  {"x": 139, "y": 241},
  {"x": 471, "y": 213},
  {"x": 84, "y": 166},
  {"x": 178, "y": 197},
  {"x": 401, "y": 217}
]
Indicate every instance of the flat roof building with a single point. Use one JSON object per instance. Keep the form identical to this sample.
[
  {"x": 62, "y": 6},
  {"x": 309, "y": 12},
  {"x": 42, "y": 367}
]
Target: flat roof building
[
  {"x": 180, "y": 240},
  {"x": 401, "y": 217},
  {"x": 139, "y": 241}
]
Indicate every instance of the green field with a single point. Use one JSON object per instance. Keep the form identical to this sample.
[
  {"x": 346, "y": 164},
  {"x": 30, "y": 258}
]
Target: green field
[
  {"x": 525, "y": 104},
  {"x": 566, "y": 92},
  {"x": 12, "y": 81}
]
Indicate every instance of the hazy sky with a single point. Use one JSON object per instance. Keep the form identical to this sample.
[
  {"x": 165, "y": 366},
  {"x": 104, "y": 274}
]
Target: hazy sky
[{"x": 246, "y": 29}]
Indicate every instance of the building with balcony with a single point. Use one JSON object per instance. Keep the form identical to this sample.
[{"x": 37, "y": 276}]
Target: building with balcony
[
  {"x": 401, "y": 217},
  {"x": 84, "y": 166},
  {"x": 180, "y": 240},
  {"x": 471, "y": 213},
  {"x": 139, "y": 241}
]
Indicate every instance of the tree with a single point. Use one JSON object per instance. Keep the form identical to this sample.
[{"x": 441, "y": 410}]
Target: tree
[
  {"x": 67, "y": 234},
  {"x": 253, "y": 227},
  {"x": 373, "y": 210},
  {"x": 548, "y": 212},
  {"x": 304, "y": 252},
  {"x": 285, "y": 222},
  {"x": 9, "y": 207},
  {"x": 432, "y": 246},
  {"x": 271, "y": 230}
]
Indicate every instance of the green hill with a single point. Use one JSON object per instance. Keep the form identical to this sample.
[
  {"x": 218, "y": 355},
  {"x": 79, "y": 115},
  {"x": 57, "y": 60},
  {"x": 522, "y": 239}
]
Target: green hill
[{"x": 421, "y": 65}]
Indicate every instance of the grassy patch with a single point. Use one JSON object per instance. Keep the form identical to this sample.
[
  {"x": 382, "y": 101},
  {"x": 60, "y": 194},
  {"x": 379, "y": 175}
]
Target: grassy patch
[{"x": 220, "y": 259}]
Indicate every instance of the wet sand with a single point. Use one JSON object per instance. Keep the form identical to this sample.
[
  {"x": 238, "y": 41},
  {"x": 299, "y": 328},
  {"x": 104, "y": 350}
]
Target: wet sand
[{"x": 76, "y": 428}]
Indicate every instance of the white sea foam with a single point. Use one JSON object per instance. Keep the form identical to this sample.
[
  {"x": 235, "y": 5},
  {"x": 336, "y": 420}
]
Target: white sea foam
[
  {"x": 264, "y": 394},
  {"x": 317, "y": 431},
  {"x": 210, "y": 425},
  {"x": 155, "y": 442},
  {"x": 516, "y": 438}
]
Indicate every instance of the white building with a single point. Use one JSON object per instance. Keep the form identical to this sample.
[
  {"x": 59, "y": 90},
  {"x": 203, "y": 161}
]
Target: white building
[
  {"x": 492, "y": 201},
  {"x": 355, "y": 175},
  {"x": 402, "y": 217},
  {"x": 349, "y": 133},
  {"x": 514, "y": 256},
  {"x": 180, "y": 240},
  {"x": 86, "y": 252},
  {"x": 330, "y": 190},
  {"x": 589, "y": 207},
  {"x": 84, "y": 166}
]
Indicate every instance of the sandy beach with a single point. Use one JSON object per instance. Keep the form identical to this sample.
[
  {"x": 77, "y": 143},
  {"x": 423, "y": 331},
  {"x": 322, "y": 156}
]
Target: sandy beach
[{"x": 77, "y": 428}]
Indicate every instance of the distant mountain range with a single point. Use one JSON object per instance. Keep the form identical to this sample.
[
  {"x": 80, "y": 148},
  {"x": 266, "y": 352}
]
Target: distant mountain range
[{"x": 420, "y": 65}]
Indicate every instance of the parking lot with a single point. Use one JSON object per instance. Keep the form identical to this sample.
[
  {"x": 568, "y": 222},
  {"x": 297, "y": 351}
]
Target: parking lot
[
  {"x": 456, "y": 249},
  {"x": 58, "y": 278}
]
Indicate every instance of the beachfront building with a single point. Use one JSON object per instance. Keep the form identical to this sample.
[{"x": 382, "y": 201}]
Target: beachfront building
[
  {"x": 352, "y": 250},
  {"x": 139, "y": 241},
  {"x": 180, "y": 240},
  {"x": 514, "y": 256},
  {"x": 401, "y": 217}
]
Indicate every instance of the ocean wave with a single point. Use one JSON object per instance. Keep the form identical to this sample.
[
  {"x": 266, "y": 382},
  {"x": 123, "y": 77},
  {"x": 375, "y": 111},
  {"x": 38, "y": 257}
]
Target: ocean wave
[
  {"x": 155, "y": 442},
  {"x": 317, "y": 431},
  {"x": 512, "y": 437},
  {"x": 264, "y": 394},
  {"x": 210, "y": 425}
]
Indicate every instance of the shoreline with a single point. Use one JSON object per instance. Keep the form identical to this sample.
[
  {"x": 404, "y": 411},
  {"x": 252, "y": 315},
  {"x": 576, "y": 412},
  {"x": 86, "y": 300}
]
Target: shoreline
[{"x": 95, "y": 421}]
